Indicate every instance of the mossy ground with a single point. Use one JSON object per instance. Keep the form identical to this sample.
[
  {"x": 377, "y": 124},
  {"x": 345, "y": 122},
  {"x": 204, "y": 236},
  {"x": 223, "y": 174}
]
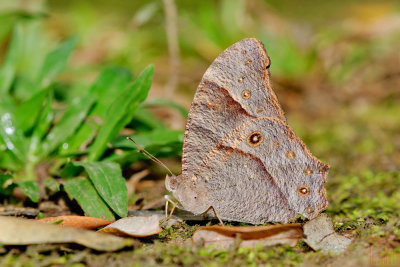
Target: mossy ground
[{"x": 363, "y": 190}]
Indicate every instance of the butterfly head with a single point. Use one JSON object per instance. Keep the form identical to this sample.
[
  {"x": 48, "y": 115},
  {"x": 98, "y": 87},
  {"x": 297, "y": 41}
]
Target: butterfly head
[
  {"x": 171, "y": 182},
  {"x": 191, "y": 200}
]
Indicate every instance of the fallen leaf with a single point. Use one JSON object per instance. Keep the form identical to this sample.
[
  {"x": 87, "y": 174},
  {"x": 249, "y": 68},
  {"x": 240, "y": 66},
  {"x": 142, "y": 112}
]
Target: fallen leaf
[
  {"x": 173, "y": 221},
  {"x": 138, "y": 226},
  {"x": 224, "y": 236},
  {"x": 82, "y": 222},
  {"x": 134, "y": 180},
  {"x": 320, "y": 235},
  {"x": 17, "y": 231}
]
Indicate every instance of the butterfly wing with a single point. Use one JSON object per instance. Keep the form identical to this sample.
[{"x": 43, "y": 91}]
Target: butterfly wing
[
  {"x": 299, "y": 176},
  {"x": 261, "y": 172},
  {"x": 241, "y": 189},
  {"x": 235, "y": 88},
  {"x": 225, "y": 164}
]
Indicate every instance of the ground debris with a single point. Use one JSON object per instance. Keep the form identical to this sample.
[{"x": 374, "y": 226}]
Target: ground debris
[
  {"x": 136, "y": 226},
  {"x": 249, "y": 236},
  {"x": 81, "y": 222},
  {"x": 17, "y": 231},
  {"x": 320, "y": 235},
  {"x": 19, "y": 212}
]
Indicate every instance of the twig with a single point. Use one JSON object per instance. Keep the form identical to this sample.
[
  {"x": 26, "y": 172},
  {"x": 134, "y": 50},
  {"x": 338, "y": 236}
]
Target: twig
[{"x": 173, "y": 46}]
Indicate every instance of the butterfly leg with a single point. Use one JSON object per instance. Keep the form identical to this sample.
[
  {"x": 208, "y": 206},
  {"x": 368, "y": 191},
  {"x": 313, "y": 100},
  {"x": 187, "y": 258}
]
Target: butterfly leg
[
  {"x": 174, "y": 205},
  {"x": 216, "y": 214}
]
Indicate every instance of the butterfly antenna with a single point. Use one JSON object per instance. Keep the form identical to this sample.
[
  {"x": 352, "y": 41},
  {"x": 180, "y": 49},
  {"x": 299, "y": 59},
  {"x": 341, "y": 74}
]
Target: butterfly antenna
[{"x": 150, "y": 156}]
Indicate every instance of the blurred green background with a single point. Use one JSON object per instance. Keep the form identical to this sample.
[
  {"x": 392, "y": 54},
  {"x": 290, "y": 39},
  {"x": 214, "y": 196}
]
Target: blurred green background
[
  {"x": 331, "y": 60},
  {"x": 335, "y": 69}
]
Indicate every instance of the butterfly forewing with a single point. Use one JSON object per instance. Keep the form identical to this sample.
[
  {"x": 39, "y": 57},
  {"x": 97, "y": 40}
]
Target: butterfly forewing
[{"x": 235, "y": 88}]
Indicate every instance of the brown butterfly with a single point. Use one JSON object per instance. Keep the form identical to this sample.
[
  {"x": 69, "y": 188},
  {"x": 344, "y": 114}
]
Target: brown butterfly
[{"x": 239, "y": 155}]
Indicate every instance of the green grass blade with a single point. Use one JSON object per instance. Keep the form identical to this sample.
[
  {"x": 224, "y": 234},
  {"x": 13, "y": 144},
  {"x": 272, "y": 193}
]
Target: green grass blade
[
  {"x": 6, "y": 188},
  {"x": 52, "y": 184},
  {"x": 71, "y": 120},
  {"x": 121, "y": 112},
  {"x": 141, "y": 87},
  {"x": 167, "y": 103},
  {"x": 27, "y": 113},
  {"x": 109, "y": 183},
  {"x": 8, "y": 160},
  {"x": 31, "y": 189},
  {"x": 55, "y": 62},
  {"x": 109, "y": 84},
  {"x": 42, "y": 126},
  {"x": 82, "y": 190},
  {"x": 159, "y": 142},
  {"x": 144, "y": 120},
  {"x": 7, "y": 71},
  {"x": 10, "y": 134},
  {"x": 10, "y": 18},
  {"x": 157, "y": 137}
]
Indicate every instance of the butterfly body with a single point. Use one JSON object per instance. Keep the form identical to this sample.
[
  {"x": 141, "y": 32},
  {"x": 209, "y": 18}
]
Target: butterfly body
[{"x": 239, "y": 154}]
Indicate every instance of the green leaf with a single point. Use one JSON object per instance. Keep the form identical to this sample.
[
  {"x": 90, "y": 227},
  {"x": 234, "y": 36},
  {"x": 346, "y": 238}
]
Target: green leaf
[
  {"x": 30, "y": 188},
  {"x": 42, "y": 126},
  {"x": 144, "y": 120},
  {"x": 121, "y": 112},
  {"x": 109, "y": 183},
  {"x": 126, "y": 157},
  {"x": 52, "y": 184},
  {"x": 10, "y": 19},
  {"x": 30, "y": 62},
  {"x": 157, "y": 137},
  {"x": 82, "y": 190},
  {"x": 10, "y": 134},
  {"x": 8, "y": 160},
  {"x": 26, "y": 113},
  {"x": 71, "y": 120},
  {"x": 160, "y": 143},
  {"x": 55, "y": 62},
  {"x": 110, "y": 83},
  {"x": 6, "y": 184},
  {"x": 167, "y": 103},
  {"x": 7, "y": 71}
]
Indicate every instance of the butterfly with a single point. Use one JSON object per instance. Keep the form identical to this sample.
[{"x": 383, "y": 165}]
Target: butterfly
[{"x": 240, "y": 157}]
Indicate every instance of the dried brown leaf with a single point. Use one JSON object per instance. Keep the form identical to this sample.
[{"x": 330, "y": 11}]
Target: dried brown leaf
[
  {"x": 224, "y": 236},
  {"x": 82, "y": 222},
  {"x": 138, "y": 226},
  {"x": 320, "y": 235},
  {"x": 134, "y": 180},
  {"x": 16, "y": 231}
]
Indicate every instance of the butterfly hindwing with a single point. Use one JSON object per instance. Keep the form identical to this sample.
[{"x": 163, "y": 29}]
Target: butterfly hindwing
[
  {"x": 236, "y": 183},
  {"x": 298, "y": 174}
]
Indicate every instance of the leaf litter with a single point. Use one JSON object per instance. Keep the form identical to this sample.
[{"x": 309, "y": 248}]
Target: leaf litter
[
  {"x": 17, "y": 231},
  {"x": 81, "y": 222},
  {"x": 137, "y": 226},
  {"x": 320, "y": 235},
  {"x": 249, "y": 236}
]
